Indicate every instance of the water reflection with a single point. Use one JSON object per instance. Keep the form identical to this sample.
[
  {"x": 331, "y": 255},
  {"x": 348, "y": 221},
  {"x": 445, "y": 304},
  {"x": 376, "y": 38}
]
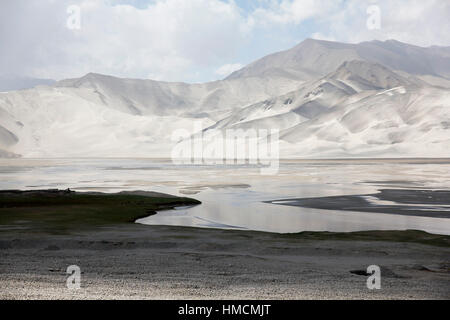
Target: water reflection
[{"x": 232, "y": 196}]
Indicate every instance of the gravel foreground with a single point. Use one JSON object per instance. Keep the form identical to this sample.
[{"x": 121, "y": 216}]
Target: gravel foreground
[{"x": 161, "y": 262}]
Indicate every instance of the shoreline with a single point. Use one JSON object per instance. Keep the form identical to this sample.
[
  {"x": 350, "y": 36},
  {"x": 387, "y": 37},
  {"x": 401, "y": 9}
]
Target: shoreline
[
  {"x": 134, "y": 261},
  {"x": 65, "y": 211},
  {"x": 407, "y": 202},
  {"x": 121, "y": 259}
]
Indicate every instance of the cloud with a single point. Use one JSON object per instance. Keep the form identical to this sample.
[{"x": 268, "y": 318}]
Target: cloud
[
  {"x": 423, "y": 23},
  {"x": 167, "y": 39},
  {"x": 293, "y": 11},
  {"x": 179, "y": 40},
  {"x": 227, "y": 69}
]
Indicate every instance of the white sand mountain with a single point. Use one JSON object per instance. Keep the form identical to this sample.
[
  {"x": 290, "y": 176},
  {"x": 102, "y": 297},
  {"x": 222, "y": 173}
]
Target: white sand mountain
[
  {"x": 327, "y": 99},
  {"x": 314, "y": 58},
  {"x": 14, "y": 82},
  {"x": 398, "y": 122},
  {"x": 149, "y": 97},
  {"x": 99, "y": 115},
  {"x": 351, "y": 81},
  {"x": 362, "y": 109}
]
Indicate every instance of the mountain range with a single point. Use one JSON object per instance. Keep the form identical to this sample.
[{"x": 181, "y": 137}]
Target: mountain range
[
  {"x": 327, "y": 99},
  {"x": 10, "y": 82}
]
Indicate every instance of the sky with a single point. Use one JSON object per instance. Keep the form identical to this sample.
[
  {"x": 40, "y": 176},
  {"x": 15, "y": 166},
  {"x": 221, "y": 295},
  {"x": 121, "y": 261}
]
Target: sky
[{"x": 194, "y": 40}]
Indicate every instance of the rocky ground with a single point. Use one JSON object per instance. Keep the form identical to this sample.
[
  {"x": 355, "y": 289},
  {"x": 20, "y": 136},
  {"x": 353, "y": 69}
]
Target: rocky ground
[{"x": 131, "y": 261}]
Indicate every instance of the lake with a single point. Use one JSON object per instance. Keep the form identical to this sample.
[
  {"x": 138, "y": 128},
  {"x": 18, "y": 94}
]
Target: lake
[{"x": 233, "y": 195}]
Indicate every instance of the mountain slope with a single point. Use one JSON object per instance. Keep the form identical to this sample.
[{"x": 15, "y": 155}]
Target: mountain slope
[
  {"x": 327, "y": 99},
  {"x": 360, "y": 109},
  {"x": 396, "y": 122},
  {"x": 315, "y": 58},
  {"x": 14, "y": 82},
  {"x": 355, "y": 79},
  {"x": 149, "y": 97}
]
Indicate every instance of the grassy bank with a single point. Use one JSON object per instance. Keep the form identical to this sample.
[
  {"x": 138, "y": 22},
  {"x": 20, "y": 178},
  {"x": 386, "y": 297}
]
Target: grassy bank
[
  {"x": 61, "y": 211},
  {"x": 413, "y": 236}
]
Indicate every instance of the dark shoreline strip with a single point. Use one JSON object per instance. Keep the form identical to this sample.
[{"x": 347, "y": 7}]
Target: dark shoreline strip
[{"x": 409, "y": 203}]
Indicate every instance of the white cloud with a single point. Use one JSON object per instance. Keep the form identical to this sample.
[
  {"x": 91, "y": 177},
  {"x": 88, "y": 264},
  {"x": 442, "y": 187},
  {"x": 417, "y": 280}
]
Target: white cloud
[
  {"x": 227, "y": 69},
  {"x": 417, "y": 22},
  {"x": 169, "y": 39},
  {"x": 293, "y": 11},
  {"x": 189, "y": 40}
]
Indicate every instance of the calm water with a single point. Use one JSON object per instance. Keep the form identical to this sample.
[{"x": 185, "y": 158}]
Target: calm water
[{"x": 232, "y": 195}]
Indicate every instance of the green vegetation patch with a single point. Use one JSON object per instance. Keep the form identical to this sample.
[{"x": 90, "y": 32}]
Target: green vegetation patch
[
  {"x": 59, "y": 211},
  {"x": 416, "y": 236}
]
